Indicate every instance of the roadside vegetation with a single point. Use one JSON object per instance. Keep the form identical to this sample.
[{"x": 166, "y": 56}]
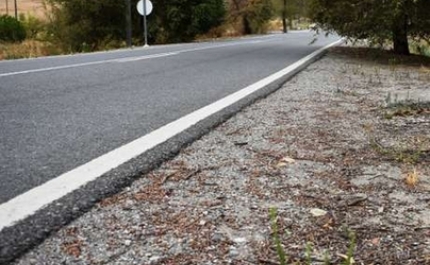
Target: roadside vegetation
[
  {"x": 75, "y": 26},
  {"x": 396, "y": 23}
]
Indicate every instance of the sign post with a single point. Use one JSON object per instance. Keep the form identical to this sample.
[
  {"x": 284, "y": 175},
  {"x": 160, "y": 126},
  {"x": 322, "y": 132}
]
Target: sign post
[{"x": 144, "y": 7}]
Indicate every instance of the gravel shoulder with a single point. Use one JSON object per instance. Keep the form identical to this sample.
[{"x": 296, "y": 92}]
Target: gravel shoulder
[{"x": 341, "y": 151}]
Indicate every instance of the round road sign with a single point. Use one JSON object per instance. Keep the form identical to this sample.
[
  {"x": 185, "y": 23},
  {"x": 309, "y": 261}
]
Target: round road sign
[{"x": 148, "y": 7}]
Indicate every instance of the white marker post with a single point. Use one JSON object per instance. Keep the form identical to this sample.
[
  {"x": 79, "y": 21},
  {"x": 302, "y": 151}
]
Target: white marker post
[{"x": 144, "y": 7}]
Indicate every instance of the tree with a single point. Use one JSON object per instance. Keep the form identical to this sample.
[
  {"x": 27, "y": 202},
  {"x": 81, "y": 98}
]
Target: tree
[
  {"x": 182, "y": 20},
  {"x": 288, "y": 10},
  {"x": 81, "y": 25},
  {"x": 376, "y": 20},
  {"x": 11, "y": 29},
  {"x": 254, "y": 14}
]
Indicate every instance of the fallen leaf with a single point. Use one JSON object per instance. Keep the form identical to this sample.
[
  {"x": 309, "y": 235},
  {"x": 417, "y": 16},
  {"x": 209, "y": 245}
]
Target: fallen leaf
[
  {"x": 345, "y": 257},
  {"x": 281, "y": 164},
  {"x": 73, "y": 248},
  {"x": 375, "y": 241},
  {"x": 318, "y": 212},
  {"x": 288, "y": 160}
]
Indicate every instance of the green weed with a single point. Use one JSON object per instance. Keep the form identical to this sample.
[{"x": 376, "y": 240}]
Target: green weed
[
  {"x": 405, "y": 108},
  {"x": 282, "y": 256},
  {"x": 273, "y": 213},
  {"x": 398, "y": 153}
]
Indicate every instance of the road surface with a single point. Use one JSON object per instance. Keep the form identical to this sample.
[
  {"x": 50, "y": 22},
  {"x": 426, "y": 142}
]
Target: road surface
[
  {"x": 75, "y": 129},
  {"x": 58, "y": 113}
]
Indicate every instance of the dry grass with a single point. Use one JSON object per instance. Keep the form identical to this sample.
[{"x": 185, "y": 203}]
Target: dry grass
[
  {"x": 33, "y": 7},
  {"x": 27, "y": 49},
  {"x": 412, "y": 179}
]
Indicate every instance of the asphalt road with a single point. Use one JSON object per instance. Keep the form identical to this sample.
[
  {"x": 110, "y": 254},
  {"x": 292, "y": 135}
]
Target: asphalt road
[{"x": 57, "y": 113}]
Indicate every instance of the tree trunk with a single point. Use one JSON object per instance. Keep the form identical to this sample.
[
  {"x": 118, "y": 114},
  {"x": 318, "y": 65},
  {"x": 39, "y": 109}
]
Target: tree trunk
[
  {"x": 400, "y": 35},
  {"x": 246, "y": 26},
  {"x": 16, "y": 10},
  {"x": 284, "y": 17}
]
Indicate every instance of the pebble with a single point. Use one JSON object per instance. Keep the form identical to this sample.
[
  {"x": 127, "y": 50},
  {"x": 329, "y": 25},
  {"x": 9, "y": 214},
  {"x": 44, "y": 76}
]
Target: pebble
[
  {"x": 233, "y": 252},
  {"x": 318, "y": 212},
  {"x": 239, "y": 240}
]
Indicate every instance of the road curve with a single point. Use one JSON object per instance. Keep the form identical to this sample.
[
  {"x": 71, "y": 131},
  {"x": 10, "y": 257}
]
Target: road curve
[{"x": 58, "y": 113}]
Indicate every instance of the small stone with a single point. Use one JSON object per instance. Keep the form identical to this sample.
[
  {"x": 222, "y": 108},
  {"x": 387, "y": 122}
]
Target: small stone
[
  {"x": 239, "y": 240},
  {"x": 217, "y": 237},
  {"x": 127, "y": 242},
  {"x": 318, "y": 212},
  {"x": 233, "y": 252},
  {"x": 154, "y": 259},
  {"x": 355, "y": 199}
]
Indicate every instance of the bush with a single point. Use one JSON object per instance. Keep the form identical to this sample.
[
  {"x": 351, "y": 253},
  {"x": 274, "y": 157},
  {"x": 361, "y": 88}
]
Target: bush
[
  {"x": 11, "y": 30},
  {"x": 34, "y": 26}
]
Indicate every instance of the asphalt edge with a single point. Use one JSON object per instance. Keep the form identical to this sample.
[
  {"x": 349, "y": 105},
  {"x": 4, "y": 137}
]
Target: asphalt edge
[{"x": 33, "y": 230}]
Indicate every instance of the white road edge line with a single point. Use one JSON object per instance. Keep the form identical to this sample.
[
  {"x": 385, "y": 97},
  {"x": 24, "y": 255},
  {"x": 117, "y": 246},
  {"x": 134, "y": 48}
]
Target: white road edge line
[{"x": 39, "y": 197}]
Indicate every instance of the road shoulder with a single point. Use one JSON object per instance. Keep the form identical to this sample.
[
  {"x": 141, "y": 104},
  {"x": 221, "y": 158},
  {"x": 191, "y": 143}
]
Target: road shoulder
[{"x": 337, "y": 152}]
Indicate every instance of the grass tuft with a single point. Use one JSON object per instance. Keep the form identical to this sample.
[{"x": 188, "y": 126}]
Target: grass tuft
[
  {"x": 273, "y": 213},
  {"x": 405, "y": 108},
  {"x": 412, "y": 179}
]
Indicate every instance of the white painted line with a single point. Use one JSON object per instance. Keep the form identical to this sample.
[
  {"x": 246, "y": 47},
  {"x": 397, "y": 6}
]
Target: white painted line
[
  {"x": 53, "y": 68},
  {"x": 127, "y": 59},
  {"x": 223, "y": 45},
  {"x": 37, "y": 198},
  {"x": 133, "y": 59}
]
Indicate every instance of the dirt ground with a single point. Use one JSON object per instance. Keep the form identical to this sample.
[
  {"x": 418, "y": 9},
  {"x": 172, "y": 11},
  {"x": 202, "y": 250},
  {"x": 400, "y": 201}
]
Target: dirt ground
[
  {"x": 33, "y": 7},
  {"x": 341, "y": 153}
]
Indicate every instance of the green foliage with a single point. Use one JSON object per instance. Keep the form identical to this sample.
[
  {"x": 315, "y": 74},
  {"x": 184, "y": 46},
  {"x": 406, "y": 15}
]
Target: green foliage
[
  {"x": 273, "y": 214},
  {"x": 11, "y": 30},
  {"x": 378, "y": 21},
  {"x": 349, "y": 260},
  {"x": 292, "y": 9},
  {"x": 252, "y": 14},
  {"x": 257, "y": 14},
  {"x": 81, "y": 25},
  {"x": 87, "y": 25},
  {"x": 182, "y": 20},
  {"x": 33, "y": 25}
]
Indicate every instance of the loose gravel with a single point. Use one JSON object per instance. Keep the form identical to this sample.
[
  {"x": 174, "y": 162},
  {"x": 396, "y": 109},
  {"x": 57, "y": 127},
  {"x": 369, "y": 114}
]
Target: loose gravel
[{"x": 333, "y": 151}]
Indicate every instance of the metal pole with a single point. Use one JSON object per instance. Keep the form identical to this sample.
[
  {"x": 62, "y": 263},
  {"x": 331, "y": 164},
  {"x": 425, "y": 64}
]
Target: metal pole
[
  {"x": 128, "y": 18},
  {"x": 16, "y": 10},
  {"x": 7, "y": 7},
  {"x": 145, "y": 30}
]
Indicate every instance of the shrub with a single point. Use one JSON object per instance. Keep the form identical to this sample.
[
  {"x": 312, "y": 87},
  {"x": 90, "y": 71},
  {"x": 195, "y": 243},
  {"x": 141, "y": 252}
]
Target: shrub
[
  {"x": 34, "y": 26},
  {"x": 11, "y": 30}
]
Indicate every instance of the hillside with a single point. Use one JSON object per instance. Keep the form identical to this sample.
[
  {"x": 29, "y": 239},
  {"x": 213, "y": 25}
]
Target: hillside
[{"x": 34, "y": 7}]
